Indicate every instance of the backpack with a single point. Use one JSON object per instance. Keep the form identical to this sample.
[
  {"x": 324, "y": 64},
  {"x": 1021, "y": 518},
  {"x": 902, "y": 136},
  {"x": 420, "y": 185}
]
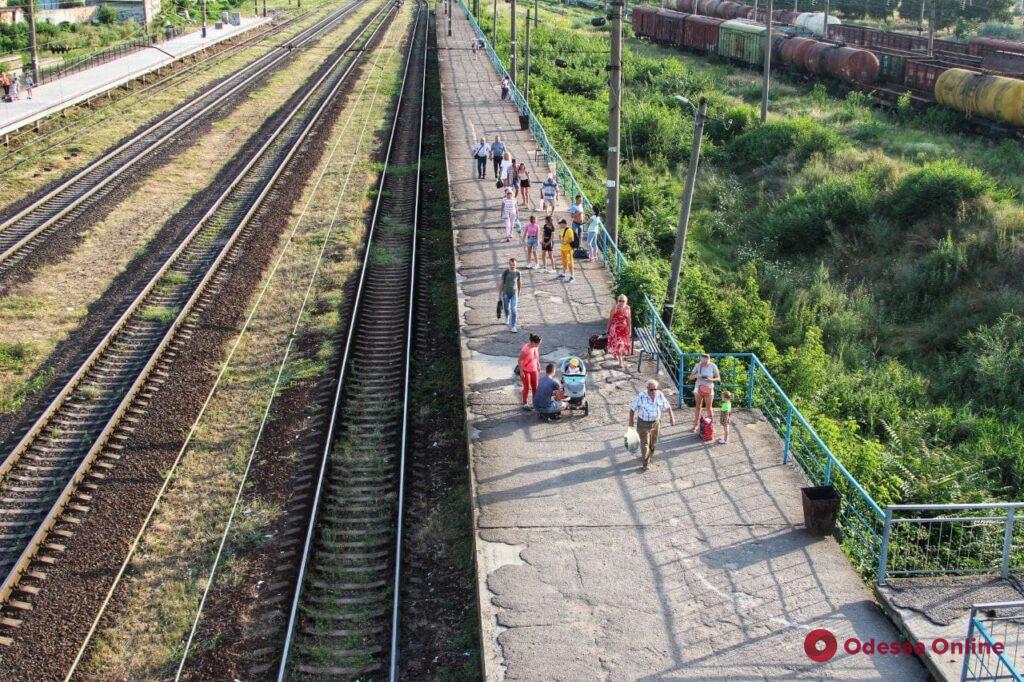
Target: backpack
[
  {"x": 580, "y": 252},
  {"x": 707, "y": 429}
]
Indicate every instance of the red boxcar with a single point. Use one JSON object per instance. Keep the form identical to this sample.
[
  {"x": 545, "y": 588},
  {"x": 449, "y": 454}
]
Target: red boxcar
[
  {"x": 644, "y": 21},
  {"x": 985, "y": 45},
  {"x": 670, "y": 26},
  {"x": 921, "y": 75},
  {"x": 701, "y": 33}
]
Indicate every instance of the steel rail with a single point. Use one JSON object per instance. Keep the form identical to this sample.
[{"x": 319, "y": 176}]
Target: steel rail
[
  {"x": 340, "y": 382},
  {"x": 209, "y": 397},
  {"x": 10, "y": 581},
  {"x": 206, "y": 102}
]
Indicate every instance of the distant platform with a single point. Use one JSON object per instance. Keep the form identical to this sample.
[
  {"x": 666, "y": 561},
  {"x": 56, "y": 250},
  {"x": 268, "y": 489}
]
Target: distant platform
[
  {"x": 51, "y": 97},
  {"x": 589, "y": 568}
]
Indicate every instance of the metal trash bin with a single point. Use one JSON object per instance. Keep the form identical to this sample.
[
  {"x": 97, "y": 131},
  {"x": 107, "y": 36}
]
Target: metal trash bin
[
  {"x": 821, "y": 508},
  {"x": 524, "y": 122}
]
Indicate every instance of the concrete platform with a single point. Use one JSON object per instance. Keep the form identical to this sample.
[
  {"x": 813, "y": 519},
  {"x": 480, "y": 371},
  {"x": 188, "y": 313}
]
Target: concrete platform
[
  {"x": 589, "y": 568},
  {"x": 50, "y": 98},
  {"x": 930, "y": 609}
]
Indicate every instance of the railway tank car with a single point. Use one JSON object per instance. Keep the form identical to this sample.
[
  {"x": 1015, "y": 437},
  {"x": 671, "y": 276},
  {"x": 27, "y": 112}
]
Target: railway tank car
[{"x": 994, "y": 97}]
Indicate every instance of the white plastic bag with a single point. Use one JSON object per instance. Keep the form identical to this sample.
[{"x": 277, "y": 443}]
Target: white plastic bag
[{"x": 631, "y": 440}]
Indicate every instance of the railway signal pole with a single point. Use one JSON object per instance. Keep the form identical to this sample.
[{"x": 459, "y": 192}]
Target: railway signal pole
[
  {"x": 767, "y": 61},
  {"x": 679, "y": 251},
  {"x": 614, "y": 122}
]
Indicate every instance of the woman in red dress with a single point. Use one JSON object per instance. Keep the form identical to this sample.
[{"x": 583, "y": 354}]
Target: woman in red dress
[{"x": 620, "y": 329}]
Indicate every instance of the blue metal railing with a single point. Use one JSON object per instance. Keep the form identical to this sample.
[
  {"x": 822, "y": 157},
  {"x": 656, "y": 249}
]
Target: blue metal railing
[{"x": 995, "y": 652}]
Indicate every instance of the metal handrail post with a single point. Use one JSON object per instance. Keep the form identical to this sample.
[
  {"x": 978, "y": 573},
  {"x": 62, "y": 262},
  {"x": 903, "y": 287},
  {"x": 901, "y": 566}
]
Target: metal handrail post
[
  {"x": 679, "y": 381},
  {"x": 750, "y": 381},
  {"x": 1004, "y": 568},
  {"x": 883, "y": 554},
  {"x": 967, "y": 653},
  {"x": 828, "y": 469},
  {"x": 789, "y": 434}
]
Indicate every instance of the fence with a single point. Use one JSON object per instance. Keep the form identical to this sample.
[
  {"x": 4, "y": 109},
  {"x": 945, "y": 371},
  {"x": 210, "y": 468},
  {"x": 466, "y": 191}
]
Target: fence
[
  {"x": 103, "y": 56},
  {"x": 952, "y": 539},
  {"x": 867, "y": 531},
  {"x": 993, "y": 645}
]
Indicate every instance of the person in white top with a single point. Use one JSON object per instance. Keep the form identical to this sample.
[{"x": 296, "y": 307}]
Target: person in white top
[
  {"x": 506, "y": 168},
  {"x": 509, "y": 213},
  {"x": 480, "y": 153},
  {"x": 705, "y": 375},
  {"x": 645, "y": 411}
]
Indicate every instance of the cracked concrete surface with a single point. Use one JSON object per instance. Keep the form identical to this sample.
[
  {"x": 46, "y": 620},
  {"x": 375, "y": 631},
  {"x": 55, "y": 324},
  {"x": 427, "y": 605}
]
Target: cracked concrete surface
[{"x": 587, "y": 567}]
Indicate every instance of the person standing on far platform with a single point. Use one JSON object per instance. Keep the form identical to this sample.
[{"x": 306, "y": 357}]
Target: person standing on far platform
[
  {"x": 480, "y": 153},
  {"x": 29, "y": 85},
  {"x": 645, "y": 413},
  {"x": 497, "y": 154}
]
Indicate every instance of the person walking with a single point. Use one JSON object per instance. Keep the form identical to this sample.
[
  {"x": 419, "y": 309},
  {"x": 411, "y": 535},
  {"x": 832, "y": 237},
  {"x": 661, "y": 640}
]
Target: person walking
[
  {"x": 513, "y": 178},
  {"x": 569, "y": 241},
  {"x": 480, "y": 153},
  {"x": 620, "y": 329},
  {"x": 524, "y": 185},
  {"x": 577, "y": 217},
  {"x": 725, "y": 411},
  {"x": 508, "y": 289},
  {"x": 16, "y": 87},
  {"x": 505, "y": 89},
  {"x": 497, "y": 153},
  {"x": 549, "y": 195},
  {"x": 505, "y": 169},
  {"x": 704, "y": 375},
  {"x": 509, "y": 213},
  {"x": 530, "y": 235},
  {"x": 5, "y": 82},
  {"x": 529, "y": 369},
  {"x": 645, "y": 413},
  {"x": 547, "y": 244},
  {"x": 593, "y": 231},
  {"x": 29, "y": 85}
]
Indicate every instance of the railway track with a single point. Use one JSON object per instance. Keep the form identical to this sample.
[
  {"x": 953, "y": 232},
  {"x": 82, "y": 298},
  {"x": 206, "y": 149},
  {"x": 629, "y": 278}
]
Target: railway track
[
  {"x": 23, "y": 231},
  {"x": 45, "y": 481},
  {"x": 343, "y": 619}
]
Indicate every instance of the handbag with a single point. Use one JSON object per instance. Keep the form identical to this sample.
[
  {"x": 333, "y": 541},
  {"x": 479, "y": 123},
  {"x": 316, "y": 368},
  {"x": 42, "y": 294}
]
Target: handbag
[
  {"x": 499, "y": 184},
  {"x": 501, "y": 307},
  {"x": 704, "y": 390}
]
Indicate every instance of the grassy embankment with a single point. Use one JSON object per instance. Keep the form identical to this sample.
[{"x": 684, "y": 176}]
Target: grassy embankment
[{"x": 868, "y": 257}]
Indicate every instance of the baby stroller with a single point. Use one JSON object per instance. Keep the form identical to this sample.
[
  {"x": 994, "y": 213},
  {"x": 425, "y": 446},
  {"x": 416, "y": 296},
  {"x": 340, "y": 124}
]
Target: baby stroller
[{"x": 574, "y": 382}]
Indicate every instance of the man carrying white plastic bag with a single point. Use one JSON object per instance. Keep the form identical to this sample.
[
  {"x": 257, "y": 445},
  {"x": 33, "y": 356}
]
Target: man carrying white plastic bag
[{"x": 645, "y": 412}]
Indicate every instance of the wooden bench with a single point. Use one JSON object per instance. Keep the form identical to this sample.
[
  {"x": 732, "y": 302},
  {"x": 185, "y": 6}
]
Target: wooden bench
[{"x": 648, "y": 346}]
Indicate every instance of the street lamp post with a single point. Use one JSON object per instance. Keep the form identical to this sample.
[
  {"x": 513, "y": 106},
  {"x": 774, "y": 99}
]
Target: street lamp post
[{"x": 700, "y": 114}]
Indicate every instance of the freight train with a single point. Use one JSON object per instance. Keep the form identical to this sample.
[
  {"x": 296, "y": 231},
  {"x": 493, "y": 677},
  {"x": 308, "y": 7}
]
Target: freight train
[{"x": 978, "y": 78}]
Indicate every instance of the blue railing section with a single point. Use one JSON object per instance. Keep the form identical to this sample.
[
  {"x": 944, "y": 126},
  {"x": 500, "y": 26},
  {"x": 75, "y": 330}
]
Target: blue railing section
[
  {"x": 861, "y": 519},
  {"x": 993, "y": 648}
]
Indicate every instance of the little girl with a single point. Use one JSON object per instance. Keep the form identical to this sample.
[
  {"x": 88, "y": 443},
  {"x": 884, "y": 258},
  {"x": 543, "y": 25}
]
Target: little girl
[
  {"x": 509, "y": 213},
  {"x": 726, "y": 408}
]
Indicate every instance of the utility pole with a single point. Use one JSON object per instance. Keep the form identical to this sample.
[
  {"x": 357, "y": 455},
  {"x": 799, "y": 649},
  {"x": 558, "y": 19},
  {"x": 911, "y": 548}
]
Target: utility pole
[
  {"x": 449, "y": 18},
  {"x": 264, "y": 7},
  {"x": 824, "y": 28},
  {"x": 526, "y": 78},
  {"x": 611, "y": 212},
  {"x": 32, "y": 46},
  {"x": 767, "y": 61},
  {"x": 513, "y": 63},
  {"x": 204, "y": 18},
  {"x": 684, "y": 212},
  {"x": 536, "y": 13},
  {"x": 494, "y": 27},
  {"x": 931, "y": 27}
]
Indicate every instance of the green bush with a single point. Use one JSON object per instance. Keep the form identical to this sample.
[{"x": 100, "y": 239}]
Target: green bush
[
  {"x": 799, "y": 137},
  {"x": 106, "y": 14},
  {"x": 642, "y": 277},
  {"x": 939, "y": 188},
  {"x": 734, "y": 121}
]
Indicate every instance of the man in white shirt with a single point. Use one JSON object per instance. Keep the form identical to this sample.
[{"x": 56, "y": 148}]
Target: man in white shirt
[
  {"x": 481, "y": 152},
  {"x": 645, "y": 412}
]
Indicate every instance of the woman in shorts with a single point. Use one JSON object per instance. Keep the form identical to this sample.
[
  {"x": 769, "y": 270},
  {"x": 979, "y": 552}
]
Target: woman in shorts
[
  {"x": 524, "y": 185},
  {"x": 547, "y": 244},
  {"x": 531, "y": 234}
]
